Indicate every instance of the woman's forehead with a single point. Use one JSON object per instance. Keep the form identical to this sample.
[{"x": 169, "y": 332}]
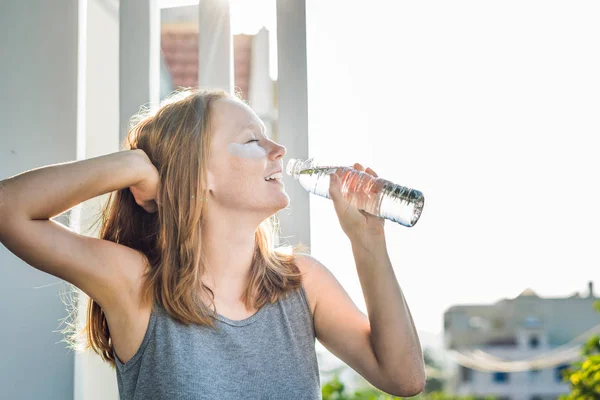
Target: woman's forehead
[{"x": 233, "y": 117}]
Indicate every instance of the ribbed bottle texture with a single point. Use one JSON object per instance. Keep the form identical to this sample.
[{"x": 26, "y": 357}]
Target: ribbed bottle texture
[{"x": 376, "y": 196}]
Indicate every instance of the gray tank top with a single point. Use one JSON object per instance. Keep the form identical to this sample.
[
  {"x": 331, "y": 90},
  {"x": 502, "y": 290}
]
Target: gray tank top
[{"x": 269, "y": 355}]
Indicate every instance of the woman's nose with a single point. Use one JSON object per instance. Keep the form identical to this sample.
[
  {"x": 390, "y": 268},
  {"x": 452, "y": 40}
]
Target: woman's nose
[{"x": 278, "y": 151}]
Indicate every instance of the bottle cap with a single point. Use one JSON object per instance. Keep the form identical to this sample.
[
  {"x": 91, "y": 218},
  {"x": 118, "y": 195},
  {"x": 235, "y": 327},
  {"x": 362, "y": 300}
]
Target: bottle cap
[{"x": 290, "y": 166}]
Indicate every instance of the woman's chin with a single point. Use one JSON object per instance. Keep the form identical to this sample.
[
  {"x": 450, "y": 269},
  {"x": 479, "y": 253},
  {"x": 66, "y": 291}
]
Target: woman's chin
[{"x": 283, "y": 203}]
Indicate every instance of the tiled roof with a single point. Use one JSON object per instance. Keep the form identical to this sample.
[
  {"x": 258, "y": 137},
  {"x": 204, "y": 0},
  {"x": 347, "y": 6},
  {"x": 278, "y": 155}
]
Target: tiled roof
[{"x": 179, "y": 44}]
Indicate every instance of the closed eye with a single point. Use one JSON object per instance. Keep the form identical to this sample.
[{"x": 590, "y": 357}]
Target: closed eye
[{"x": 255, "y": 140}]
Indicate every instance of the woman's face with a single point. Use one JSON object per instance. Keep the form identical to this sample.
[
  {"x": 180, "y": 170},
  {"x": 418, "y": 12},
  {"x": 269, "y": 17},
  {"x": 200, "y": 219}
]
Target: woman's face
[{"x": 241, "y": 157}]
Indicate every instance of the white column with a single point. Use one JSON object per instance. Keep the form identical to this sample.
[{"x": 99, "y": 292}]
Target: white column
[
  {"x": 261, "y": 89},
  {"x": 99, "y": 104},
  {"x": 292, "y": 106},
  {"x": 260, "y": 92},
  {"x": 215, "y": 42},
  {"x": 139, "y": 58}
]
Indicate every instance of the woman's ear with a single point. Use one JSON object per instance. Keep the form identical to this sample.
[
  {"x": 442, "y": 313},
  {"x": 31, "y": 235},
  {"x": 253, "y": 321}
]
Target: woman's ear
[{"x": 210, "y": 180}]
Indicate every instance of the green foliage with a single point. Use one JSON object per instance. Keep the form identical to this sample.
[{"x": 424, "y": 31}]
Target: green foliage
[
  {"x": 333, "y": 390},
  {"x": 584, "y": 376},
  {"x": 336, "y": 390}
]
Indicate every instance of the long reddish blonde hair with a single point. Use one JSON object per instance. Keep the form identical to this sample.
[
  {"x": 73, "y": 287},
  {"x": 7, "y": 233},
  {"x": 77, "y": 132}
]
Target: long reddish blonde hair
[{"x": 176, "y": 138}]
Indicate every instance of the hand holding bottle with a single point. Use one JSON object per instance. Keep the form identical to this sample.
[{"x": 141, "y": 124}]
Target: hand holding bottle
[{"x": 357, "y": 224}]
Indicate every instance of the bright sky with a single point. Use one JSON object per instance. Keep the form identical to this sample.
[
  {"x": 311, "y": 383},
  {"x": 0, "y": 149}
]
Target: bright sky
[{"x": 491, "y": 109}]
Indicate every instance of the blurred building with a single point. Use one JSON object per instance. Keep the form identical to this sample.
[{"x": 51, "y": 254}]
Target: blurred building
[{"x": 516, "y": 349}]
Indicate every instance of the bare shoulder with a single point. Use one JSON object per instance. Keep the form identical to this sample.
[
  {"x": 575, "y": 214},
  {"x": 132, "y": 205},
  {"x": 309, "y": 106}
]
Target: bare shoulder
[{"x": 313, "y": 272}]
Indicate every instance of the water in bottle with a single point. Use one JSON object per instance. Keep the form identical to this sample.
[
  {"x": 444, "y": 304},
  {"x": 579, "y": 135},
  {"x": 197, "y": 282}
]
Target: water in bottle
[{"x": 376, "y": 196}]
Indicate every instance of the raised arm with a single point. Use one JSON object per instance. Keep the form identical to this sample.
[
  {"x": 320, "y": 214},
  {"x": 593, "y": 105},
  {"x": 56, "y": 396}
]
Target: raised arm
[
  {"x": 28, "y": 201},
  {"x": 45, "y": 192}
]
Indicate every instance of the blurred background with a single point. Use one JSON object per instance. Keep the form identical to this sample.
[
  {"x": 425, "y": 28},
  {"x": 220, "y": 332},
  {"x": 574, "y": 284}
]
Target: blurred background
[{"x": 491, "y": 109}]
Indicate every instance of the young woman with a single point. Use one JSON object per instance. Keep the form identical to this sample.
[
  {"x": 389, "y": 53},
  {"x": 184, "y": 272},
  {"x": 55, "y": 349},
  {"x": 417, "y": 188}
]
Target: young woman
[{"x": 188, "y": 297}]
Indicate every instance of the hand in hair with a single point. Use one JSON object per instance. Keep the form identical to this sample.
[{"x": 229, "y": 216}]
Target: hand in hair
[{"x": 145, "y": 191}]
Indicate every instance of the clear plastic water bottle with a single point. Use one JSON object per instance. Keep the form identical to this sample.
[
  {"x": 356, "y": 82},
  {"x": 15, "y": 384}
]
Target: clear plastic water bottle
[{"x": 365, "y": 192}]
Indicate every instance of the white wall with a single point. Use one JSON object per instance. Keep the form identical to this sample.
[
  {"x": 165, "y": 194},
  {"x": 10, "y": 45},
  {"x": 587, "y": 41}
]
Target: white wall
[{"x": 38, "y": 110}]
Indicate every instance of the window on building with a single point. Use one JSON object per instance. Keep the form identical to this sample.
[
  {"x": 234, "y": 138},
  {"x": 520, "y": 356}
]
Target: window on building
[
  {"x": 501, "y": 377},
  {"x": 534, "y": 374},
  {"x": 466, "y": 374},
  {"x": 559, "y": 371},
  {"x": 497, "y": 324},
  {"x": 502, "y": 342},
  {"x": 479, "y": 323},
  {"x": 534, "y": 342}
]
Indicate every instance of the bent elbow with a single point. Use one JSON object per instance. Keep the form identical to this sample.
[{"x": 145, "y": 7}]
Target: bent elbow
[
  {"x": 408, "y": 387},
  {"x": 409, "y": 391}
]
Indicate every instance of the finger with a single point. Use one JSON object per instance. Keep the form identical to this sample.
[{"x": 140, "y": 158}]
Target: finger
[
  {"x": 335, "y": 193},
  {"x": 358, "y": 167},
  {"x": 369, "y": 170},
  {"x": 334, "y": 186}
]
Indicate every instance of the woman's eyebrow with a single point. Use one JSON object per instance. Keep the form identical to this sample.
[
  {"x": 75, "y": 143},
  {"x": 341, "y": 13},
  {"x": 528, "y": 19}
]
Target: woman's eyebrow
[{"x": 262, "y": 127}]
